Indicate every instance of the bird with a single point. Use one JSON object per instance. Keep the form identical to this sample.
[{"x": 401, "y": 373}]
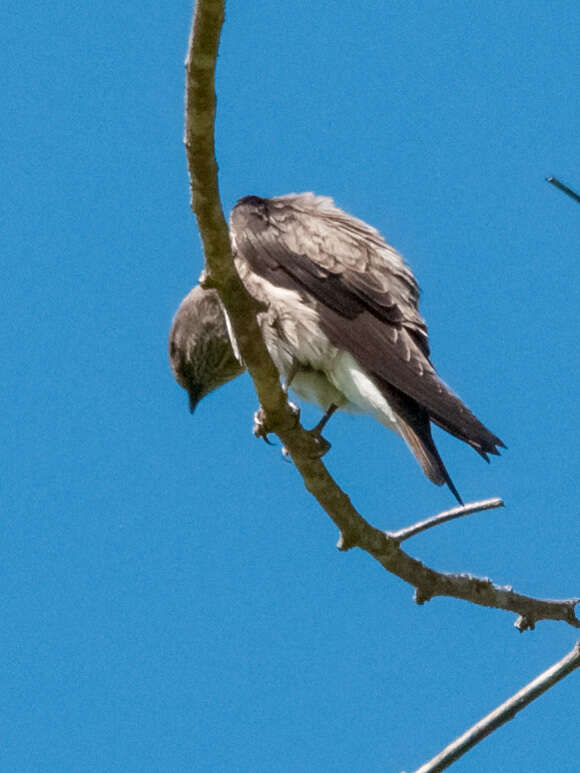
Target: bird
[
  {"x": 200, "y": 350},
  {"x": 339, "y": 315}
]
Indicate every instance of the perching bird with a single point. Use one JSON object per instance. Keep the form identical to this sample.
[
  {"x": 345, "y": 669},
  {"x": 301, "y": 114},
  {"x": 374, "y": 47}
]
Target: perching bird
[
  {"x": 200, "y": 351},
  {"x": 340, "y": 320}
]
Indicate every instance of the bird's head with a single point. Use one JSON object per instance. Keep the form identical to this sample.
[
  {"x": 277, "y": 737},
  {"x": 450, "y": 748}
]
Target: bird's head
[{"x": 200, "y": 351}]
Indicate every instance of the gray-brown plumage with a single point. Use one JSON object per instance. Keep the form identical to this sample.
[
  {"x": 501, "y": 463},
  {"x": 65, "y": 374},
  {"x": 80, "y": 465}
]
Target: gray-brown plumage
[
  {"x": 340, "y": 321},
  {"x": 200, "y": 351},
  {"x": 343, "y": 321}
]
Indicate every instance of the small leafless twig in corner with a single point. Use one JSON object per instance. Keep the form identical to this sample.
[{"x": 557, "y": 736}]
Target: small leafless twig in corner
[
  {"x": 564, "y": 188},
  {"x": 503, "y": 713}
]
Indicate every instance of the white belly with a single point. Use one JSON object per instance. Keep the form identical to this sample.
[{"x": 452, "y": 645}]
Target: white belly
[{"x": 329, "y": 376}]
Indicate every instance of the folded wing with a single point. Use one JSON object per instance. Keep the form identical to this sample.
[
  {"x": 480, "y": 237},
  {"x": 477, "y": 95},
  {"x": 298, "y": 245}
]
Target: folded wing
[{"x": 367, "y": 301}]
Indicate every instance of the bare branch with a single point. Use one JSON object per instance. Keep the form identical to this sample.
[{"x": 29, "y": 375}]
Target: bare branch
[
  {"x": 564, "y": 188},
  {"x": 503, "y": 713},
  {"x": 429, "y": 583},
  {"x": 279, "y": 417},
  {"x": 446, "y": 515},
  {"x": 200, "y": 106}
]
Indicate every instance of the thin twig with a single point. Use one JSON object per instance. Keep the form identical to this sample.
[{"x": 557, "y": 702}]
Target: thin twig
[
  {"x": 503, "y": 713},
  {"x": 446, "y": 515},
  {"x": 564, "y": 188},
  {"x": 241, "y": 309}
]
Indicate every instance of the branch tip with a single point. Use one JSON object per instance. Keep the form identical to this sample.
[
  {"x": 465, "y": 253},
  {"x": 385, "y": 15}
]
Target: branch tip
[
  {"x": 447, "y": 515},
  {"x": 346, "y": 541},
  {"x": 422, "y": 596},
  {"x": 564, "y": 188}
]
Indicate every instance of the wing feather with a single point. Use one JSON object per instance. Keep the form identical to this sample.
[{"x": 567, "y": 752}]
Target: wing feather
[{"x": 366, "y": 297}]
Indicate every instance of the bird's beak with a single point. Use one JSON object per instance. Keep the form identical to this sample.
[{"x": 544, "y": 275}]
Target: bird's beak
[{"x": 195, "y": 394}]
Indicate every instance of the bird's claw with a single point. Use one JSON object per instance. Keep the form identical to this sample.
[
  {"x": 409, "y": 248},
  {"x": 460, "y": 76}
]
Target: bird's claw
[
  {"x": 321, "y": 446},
  {"x": 260, "y": 428},
  {"x": 295, "y": 410}
]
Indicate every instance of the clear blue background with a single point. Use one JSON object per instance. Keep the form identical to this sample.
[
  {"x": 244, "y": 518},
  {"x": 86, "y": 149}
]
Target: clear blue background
[{"x": 172, "y": 599}]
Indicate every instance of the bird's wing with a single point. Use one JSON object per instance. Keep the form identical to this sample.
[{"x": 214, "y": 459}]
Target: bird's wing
[
  {"x": 365, "y": 295},
  {"x": 340, "y": 260}
]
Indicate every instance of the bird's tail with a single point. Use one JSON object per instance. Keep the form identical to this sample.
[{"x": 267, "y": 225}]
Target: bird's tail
[
  {"x": 414, "y": 424},
  {"x": 420, "y": 441},
  {"x": 463, "y": 424}
]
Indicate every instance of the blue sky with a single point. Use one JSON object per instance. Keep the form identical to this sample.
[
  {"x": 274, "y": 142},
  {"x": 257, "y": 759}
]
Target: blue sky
[{"x": 172, "y": 598}]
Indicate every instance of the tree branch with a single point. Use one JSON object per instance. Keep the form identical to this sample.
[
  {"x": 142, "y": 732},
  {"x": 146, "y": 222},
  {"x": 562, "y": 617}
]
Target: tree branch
[
  {"x": 503, "y": 713},
  {"x": 220, "y": 273},
  {"x": 200, "y": 107},
  {"x": 564, "y": 188},
  {"x": 446, "y": 515}
]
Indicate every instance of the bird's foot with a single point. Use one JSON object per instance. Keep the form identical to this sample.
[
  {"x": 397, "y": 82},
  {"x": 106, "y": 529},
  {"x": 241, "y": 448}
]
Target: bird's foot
[
  {"x": 321, "y": 446},
  {"x": 316, "y": 450},
  {"x": 261, "y": 428},
  {"x": 295, "y": 411}
]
